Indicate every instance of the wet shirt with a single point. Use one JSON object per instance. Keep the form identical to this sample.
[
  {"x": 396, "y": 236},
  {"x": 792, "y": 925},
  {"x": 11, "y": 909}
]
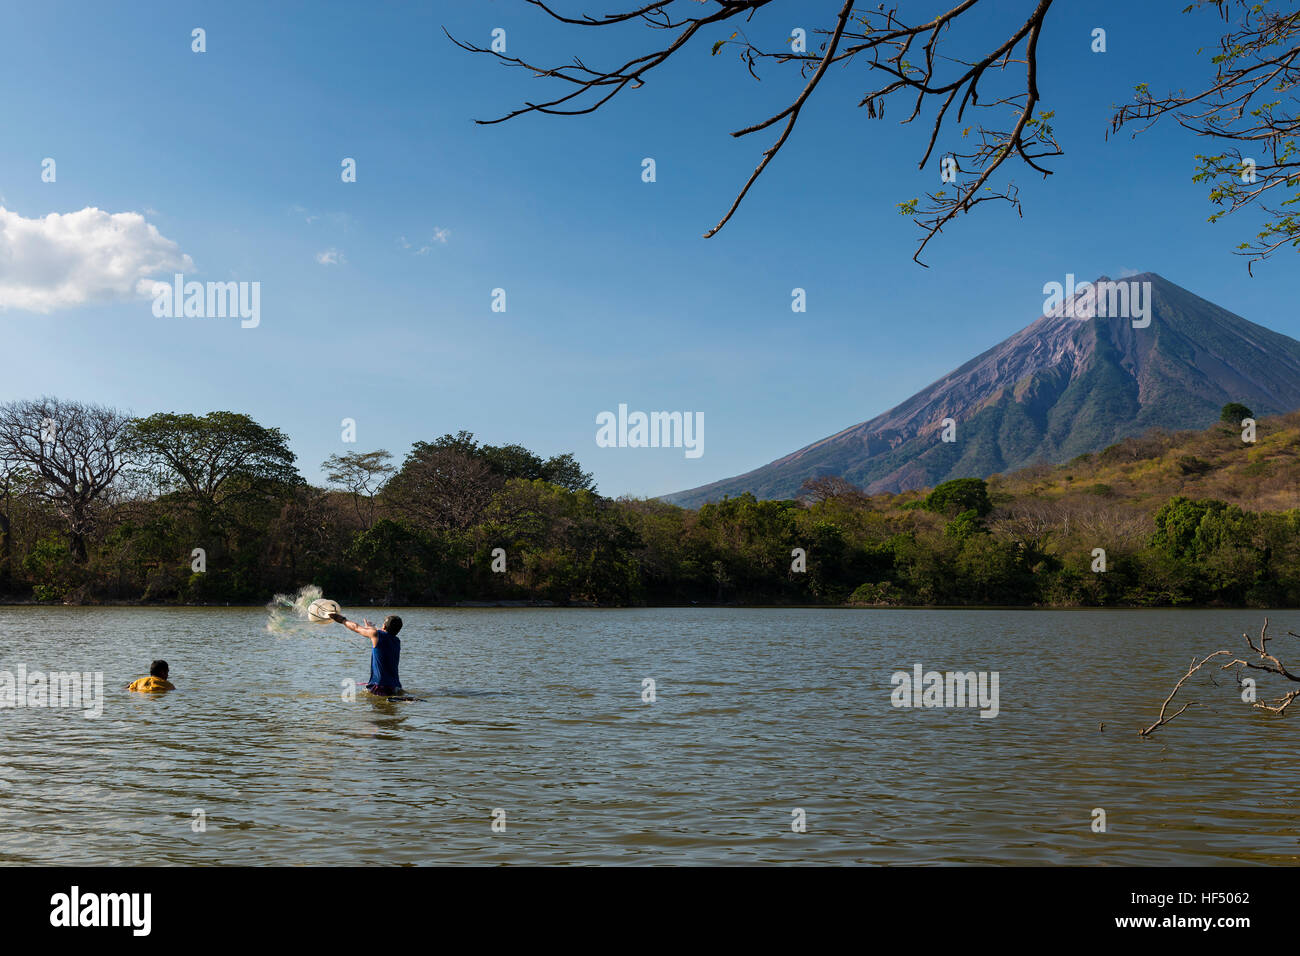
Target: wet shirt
[
  {"x": 383, "y": 661},
  {"x": 151, "y": 685}
]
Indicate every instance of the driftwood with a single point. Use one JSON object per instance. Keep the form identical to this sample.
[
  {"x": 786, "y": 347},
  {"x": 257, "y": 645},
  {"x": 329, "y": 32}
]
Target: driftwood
[{"x": 1264, "y": 661}]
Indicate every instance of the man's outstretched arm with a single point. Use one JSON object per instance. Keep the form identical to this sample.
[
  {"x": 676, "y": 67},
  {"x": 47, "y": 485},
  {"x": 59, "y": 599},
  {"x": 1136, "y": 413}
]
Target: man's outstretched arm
[{"x": 365, "y": 629}]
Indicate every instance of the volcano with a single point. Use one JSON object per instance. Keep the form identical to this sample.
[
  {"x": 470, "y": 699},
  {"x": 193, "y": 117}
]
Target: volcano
[{"x": 1061, "y": 387}]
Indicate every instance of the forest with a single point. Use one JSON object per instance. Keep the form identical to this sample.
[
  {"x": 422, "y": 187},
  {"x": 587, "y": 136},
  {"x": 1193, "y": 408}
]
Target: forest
[{"x": 100, "y": 507}]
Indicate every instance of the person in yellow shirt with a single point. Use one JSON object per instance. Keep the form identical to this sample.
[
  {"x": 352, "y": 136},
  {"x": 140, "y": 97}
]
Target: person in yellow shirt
[{"x": 156, "y": 681}]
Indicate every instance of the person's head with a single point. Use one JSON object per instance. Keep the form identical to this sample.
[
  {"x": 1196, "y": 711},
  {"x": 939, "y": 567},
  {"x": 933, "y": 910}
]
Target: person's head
[
  {"x": 392, "y": 624},
  {"x": 158, "y": 669}
]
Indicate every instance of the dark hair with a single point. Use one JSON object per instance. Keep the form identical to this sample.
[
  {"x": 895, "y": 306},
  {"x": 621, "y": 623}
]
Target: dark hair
[
  {"x": 392, "y": 624},
  {"x": 158, "y": 669}
]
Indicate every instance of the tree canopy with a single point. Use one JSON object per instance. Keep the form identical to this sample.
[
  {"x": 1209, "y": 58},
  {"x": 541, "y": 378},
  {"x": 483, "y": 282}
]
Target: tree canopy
[
  {"x": 1190, "y": 518},
  {"x": 214, "y": 456}
]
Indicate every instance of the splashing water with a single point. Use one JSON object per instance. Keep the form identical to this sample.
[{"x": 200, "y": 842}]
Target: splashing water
[{"x": 286, "y": 615}]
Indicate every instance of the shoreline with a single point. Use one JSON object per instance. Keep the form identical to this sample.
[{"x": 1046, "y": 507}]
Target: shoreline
[{"x": 552, "y": 605}]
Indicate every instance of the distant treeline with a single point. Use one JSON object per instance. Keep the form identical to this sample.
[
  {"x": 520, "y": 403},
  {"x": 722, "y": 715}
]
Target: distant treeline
[{"x": 98, "y": 506}]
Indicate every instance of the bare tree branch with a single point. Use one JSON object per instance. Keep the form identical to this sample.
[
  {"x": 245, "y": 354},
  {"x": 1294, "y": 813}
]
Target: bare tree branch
[
  {"x": 1265, "y": 661},
  {"x": 1192, "y": 669},
  {"x": 881, "y": 41}
]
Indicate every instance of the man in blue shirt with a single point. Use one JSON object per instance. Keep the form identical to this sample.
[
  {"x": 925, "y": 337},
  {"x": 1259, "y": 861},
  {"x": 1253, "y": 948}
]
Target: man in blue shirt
[{"x": 385, "y": 651}]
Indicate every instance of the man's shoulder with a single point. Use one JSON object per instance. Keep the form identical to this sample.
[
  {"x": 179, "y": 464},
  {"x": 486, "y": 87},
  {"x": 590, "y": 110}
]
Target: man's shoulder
[{"x": 150, "y": 683}]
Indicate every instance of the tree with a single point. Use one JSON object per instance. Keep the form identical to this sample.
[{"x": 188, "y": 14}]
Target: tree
[
  {"x": 10, "y": 482},
  {"x": 305, "y": 537},
  {"x": 362, "y": 475},
  {"x": 564, "y": 470},
  {"x": 391, "y": 553},
  {"x": 1234, "y": 412},
  {"x": 441, "y": 487},
  {"x": 989, "y": 568},
  {"x": 463, "y": 442},
  {"x": 52, "y": 564},
  {"x": 224, "y": 477},
  {"x": 516, "y": 461},
  {"x": 1250, "y": 100},
  {"x": 215, "y": 457},
  {"x": 751, "y": 541},
  {"x": 571, "y": 544},
  {"x": 1183, "y": 525},
  {"x": 511, "y": 461},
  {"x": 877, "y": 39},
  {"x": 22, "y": 508},
  {"x": 965, "y": 525},
  {"x": 1029, "y": 525},
  {"x": 76, "y": 450},
  {"x": 961, "y": 494},
  {"x": 825, "y": 488}
]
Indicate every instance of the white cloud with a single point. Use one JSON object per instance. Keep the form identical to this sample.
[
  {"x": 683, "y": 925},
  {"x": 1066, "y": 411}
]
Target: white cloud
[
  {"x": 440, "y": 237},
  {"x": 77, "y": 258},
  {"x": 331, "y": 257},
  {"x": 343, "y": 220}
]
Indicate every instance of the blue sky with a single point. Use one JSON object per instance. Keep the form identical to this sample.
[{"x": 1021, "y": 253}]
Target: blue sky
[{"x": 613, "y": 296}]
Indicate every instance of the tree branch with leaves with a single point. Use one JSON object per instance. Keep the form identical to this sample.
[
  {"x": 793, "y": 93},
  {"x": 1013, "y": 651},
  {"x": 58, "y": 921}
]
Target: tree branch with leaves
[{"x": 1249, "y": 104}]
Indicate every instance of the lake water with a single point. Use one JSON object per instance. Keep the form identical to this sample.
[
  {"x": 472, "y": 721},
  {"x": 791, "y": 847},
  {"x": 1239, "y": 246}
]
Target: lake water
[{"x": 539, "y": 713}]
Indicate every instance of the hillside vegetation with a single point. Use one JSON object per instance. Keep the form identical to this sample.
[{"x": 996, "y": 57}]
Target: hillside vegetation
[{"x": 1186, "y": 517}]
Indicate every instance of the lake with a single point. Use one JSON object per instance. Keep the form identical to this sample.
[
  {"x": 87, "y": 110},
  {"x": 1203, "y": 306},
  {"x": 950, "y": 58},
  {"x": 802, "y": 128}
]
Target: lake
[{"x": 758, "y": 714}]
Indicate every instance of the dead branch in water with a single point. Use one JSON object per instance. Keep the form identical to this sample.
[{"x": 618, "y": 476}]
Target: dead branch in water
[
  {"x": 1192, "y": 669},
  {"x": 1265, "y": 661}
]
